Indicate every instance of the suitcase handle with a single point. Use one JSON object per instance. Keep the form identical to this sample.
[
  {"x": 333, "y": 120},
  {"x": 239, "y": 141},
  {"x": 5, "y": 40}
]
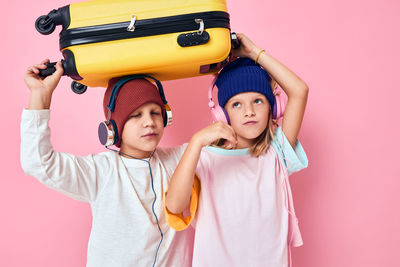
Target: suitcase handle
[
  {"x": 50, "y": 69},
  {"x": 76, "y": 87},
  {"x": 234, "y": 40}
]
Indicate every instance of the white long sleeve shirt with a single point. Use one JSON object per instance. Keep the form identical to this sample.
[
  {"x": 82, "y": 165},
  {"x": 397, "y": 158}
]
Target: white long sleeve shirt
[{"x": 124, "y": 230}]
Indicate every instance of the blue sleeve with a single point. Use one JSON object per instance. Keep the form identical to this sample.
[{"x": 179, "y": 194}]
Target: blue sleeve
[{"x": 294, "y": 159}]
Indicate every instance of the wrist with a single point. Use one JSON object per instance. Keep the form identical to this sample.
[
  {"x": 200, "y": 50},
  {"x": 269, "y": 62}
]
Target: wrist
[
  {"x": 196, "y": 142},
  {"x": 255, "y": 52},
  {"x": 257, "y": 59},
  {"x": 39, "y": 100}
]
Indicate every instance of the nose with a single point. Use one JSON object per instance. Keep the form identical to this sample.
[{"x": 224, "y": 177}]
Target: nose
[
  {"x": 148, "y": 121},
  {"x": 249, "y": 111}
]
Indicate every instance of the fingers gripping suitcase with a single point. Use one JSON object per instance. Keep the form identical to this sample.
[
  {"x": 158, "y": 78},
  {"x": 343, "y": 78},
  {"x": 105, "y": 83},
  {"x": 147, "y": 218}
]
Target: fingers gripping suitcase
[{"x": 167, "y": 39}]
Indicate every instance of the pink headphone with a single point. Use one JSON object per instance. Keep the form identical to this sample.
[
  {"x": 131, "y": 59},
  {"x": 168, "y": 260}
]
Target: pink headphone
[{"x": 219, "y": 114}]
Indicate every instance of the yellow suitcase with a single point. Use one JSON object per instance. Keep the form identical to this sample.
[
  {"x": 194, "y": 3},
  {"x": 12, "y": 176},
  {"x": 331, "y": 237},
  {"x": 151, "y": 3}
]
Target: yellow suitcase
[{"x": 166, "y": 39}]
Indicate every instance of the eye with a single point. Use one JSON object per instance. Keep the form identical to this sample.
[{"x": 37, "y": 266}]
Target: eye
[
  {"x": 258, "y": 101},
  {"x": 236, "y": 105},
  {"x": 135, "y": 115},
  {"x": 156, "y": 113}
]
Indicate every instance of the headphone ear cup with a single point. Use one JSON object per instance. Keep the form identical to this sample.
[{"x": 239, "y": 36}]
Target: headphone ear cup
[
  {"x": 167, "y": 116},
  {"x": 279, "y": 107},
  {"x": 219, "y": 114},
  {"x": 108, "y": 134}
]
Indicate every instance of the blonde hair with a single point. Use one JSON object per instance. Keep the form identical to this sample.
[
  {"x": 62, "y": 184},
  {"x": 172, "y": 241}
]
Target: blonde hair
[{"x": 263, "y": 141}]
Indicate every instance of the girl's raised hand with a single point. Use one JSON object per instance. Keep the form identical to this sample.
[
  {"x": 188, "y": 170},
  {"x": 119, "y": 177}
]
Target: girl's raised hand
[
  {"x": 246, "y": 49},
  {"x": 37, "y": 83},
  {"x": 214, "y": 132}
]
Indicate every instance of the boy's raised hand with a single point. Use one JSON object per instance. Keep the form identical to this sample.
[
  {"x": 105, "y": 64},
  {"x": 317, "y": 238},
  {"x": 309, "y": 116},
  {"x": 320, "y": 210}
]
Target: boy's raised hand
[
  {"x": 42, "y": 88},
  {"x": 36, "y": 82},
  {"x": 214, "y": 132}
]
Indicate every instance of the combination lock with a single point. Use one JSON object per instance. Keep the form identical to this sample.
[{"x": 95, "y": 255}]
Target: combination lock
[{"x": 193, "y": 38}]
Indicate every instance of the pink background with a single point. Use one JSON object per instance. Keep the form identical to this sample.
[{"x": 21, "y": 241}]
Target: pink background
[{"x": 346, "y": 201}]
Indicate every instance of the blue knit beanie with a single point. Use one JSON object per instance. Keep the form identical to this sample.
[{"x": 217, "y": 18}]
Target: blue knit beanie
[{"x": 243, "y": 75}]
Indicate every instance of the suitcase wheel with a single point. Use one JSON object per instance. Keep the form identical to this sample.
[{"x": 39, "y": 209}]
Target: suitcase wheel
[
  {"x": 45, "y": 25},
  {"x": 78, "y": 88}
]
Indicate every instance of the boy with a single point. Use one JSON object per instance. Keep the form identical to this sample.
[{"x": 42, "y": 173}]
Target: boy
[{"x": 124, "y": 188}]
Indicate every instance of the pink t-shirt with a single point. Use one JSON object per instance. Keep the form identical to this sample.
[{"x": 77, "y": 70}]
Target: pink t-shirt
[{"x": 245, "y": 215}]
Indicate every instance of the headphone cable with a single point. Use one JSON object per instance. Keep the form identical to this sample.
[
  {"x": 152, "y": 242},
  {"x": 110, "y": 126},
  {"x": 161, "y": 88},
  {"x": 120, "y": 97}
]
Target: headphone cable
[{"x": 155, "y": 196}]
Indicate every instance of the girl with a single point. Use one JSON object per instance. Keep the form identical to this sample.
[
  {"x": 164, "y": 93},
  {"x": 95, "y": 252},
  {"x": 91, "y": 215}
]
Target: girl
[{"x": 245, "y": 213}]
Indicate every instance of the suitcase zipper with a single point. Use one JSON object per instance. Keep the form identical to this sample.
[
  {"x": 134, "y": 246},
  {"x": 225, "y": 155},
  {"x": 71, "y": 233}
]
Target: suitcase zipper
[{"x": 142, "y": 28}]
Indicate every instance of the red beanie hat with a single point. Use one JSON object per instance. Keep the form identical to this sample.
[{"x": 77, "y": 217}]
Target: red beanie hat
[{"x": 130, "y": 97}]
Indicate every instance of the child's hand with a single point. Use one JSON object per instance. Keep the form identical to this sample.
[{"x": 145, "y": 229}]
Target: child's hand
[
  {"x": 247, "y": 48},
  {"x": 41, "y": 88},
  {"x": 40, "y": 84},
  {"x": 217, "y": 130}
]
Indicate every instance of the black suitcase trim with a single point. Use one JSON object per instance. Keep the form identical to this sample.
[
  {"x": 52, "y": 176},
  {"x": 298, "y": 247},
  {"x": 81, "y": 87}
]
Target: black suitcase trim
[
  {"x": 69, "y": 65},
  {"x": 146, "y": 27}
]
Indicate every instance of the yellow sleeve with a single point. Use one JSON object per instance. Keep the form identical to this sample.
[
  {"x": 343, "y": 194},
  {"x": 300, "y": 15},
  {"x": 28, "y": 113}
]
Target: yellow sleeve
[{"x": 176, "y": 221}]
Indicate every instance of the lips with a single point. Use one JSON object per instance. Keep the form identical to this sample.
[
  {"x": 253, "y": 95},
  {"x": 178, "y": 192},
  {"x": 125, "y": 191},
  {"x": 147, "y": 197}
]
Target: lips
[
  {"x": 150, "y": 135},
  {"x": 250, "y": 123}
]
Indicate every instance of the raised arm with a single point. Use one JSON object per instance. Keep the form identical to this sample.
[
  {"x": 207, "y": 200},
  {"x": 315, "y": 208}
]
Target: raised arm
[
  {"x": 180, "y": 186},
  {"x": 75, "y": 176},
  {"x": 294, "y": 86}
]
